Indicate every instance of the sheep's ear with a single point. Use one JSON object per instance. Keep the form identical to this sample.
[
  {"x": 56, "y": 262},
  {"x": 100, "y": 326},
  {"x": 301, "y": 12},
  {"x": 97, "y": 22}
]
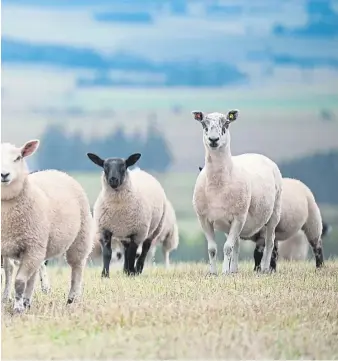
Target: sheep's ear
[
  {"x": 132, "y": 159},
  {"x": 200, "y": 168},
  {"x": 29, "y": 148},
  {"x": 232, "y": 115},
  {"x": 198, "y": 115},
  {"x": 95, "y": 159}
]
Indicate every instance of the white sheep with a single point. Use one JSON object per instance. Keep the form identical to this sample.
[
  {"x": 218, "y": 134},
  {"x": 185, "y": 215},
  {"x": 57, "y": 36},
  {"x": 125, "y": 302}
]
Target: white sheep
[
  {"x": 131, "y": 206},
  {"x": 168, "y": 238},
  {"x": 8, "y": 265},
  {"x": 296, "y": 247},
  {"x": 300, "y": 212},
  {"x": 43, "y": 215},
  {"x": 238, "y": 195}
]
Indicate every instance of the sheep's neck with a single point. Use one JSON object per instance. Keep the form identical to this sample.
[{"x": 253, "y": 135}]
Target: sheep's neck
[{"x": 218, "y": 165}]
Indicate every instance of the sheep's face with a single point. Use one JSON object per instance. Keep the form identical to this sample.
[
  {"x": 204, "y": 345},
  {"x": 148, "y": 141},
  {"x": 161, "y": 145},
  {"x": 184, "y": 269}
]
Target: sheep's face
[
  {"x": 13, "y": 163},
  {"x": 115, "y": 169},
  {"x": 215, "y": 127}
]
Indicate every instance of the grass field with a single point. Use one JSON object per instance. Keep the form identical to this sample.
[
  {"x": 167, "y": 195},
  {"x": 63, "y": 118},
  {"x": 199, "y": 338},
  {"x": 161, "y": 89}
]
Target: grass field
[{"x": 180, "y": 314}]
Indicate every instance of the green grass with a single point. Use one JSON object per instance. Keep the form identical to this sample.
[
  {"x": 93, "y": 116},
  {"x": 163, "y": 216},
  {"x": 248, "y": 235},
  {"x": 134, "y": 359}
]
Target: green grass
[{"x": 182, "y": 314}]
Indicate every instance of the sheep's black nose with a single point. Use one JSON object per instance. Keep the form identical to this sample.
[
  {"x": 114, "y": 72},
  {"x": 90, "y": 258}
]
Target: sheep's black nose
[
  {"x": 114, "y": 182},
  {"x": 213, "y": 142},
  {"x": 4, "y": 176},
  {"x": 119, "y": 255}
]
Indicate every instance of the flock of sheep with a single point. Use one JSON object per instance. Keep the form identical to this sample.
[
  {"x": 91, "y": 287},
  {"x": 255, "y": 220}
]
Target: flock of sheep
[{"x": 46, "y": 214}]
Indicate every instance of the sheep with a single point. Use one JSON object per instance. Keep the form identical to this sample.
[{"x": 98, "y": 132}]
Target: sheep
[
  {"x": 8, "y": 265},
  {"x": 43, "y": 215},
  {"x": 238, "y": 195},
  {"x": 300, "y": 213},
  {"x": 296, "y": 247},
  {"x": 130, "y": 207},
  {"x": 169, "y": 238}
]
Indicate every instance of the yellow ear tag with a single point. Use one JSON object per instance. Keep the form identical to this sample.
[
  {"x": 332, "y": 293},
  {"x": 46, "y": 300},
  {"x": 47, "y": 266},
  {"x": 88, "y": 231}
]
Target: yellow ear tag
[{"x": 231, "y": 116}]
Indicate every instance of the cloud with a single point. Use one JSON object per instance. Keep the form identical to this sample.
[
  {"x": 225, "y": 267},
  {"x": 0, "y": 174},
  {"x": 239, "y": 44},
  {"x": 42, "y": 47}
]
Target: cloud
[{"x": 322, "y": 22}]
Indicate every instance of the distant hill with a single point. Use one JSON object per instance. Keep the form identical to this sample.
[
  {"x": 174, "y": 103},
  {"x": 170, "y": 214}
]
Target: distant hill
[{"x": 319, "y": 172}]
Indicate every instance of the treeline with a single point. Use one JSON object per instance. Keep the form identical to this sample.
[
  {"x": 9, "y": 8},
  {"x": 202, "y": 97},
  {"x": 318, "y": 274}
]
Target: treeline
[{"x": 67, "y": 152}]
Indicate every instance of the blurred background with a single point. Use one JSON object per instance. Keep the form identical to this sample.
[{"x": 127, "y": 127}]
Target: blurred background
[{"x": 118, "y": 77}]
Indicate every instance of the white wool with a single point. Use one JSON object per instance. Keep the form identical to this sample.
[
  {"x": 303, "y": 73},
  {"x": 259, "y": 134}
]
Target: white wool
[{"x": 168, "y": 238}]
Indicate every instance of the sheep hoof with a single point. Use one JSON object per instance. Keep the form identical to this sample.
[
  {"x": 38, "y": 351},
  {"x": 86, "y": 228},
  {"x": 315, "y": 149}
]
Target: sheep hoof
[
  {"x": 26, "y": 303},
  {"x": 18, "y": 309},
  {"x": 210, "y": 274},
  {"x": 70, "y": 300},
  {"x": 45, "y": 289},
  {"x": 105, "y": 274}
]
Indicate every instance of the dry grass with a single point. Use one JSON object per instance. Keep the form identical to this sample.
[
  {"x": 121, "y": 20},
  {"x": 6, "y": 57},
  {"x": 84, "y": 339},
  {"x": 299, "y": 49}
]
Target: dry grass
[{"x": 182, "y": 313}]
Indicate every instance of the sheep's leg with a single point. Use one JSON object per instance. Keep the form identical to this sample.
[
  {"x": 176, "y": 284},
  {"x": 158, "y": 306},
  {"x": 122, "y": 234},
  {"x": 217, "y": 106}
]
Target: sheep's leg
[
  {"x": 259, "y": 250},
  {"x": 105, "y": 241},
  {"x": 274, "y": 257},
  {"x": 270, "y": 241},
  {"x": 231, "y": 247},
  {"x": 45, "y": 287},
  {"x": 76, "y": 280},
  {"x": 27, "y": 297},
  {"x": 209, "y": 233},
  {"x": 28, "y": 266},
  {"x": 130, "y": 251},
  {"x": 151, "y": 255},
  {"x": 318, "y": 252},
  {"x": 313, "y": 234},
  {"x": 76, "y": 256},
  {"x": 166, "y": 257},
  {"x": 8, "y": 268},
  {"x": 140, "y": 262}
]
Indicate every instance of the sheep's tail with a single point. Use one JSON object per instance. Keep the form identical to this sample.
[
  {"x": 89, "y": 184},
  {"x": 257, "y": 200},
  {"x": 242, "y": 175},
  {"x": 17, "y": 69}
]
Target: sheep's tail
[{"x": 326, "y": 229}]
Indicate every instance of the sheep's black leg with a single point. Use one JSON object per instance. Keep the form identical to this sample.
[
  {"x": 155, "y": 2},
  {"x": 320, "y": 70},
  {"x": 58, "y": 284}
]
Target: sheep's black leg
[
  {"x": 318, "y": 253},
  {"x": 258, "y": 255},
  {"x": 105, "y": 241},
  {"x": 129, "y": 258},
  {"x": 140, "y": 262},
  {"x": 274, "y": 257}
]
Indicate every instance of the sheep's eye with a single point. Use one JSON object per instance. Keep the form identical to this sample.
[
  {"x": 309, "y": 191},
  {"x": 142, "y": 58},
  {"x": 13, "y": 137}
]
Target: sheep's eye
[{"x": 17, "y": 159}]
